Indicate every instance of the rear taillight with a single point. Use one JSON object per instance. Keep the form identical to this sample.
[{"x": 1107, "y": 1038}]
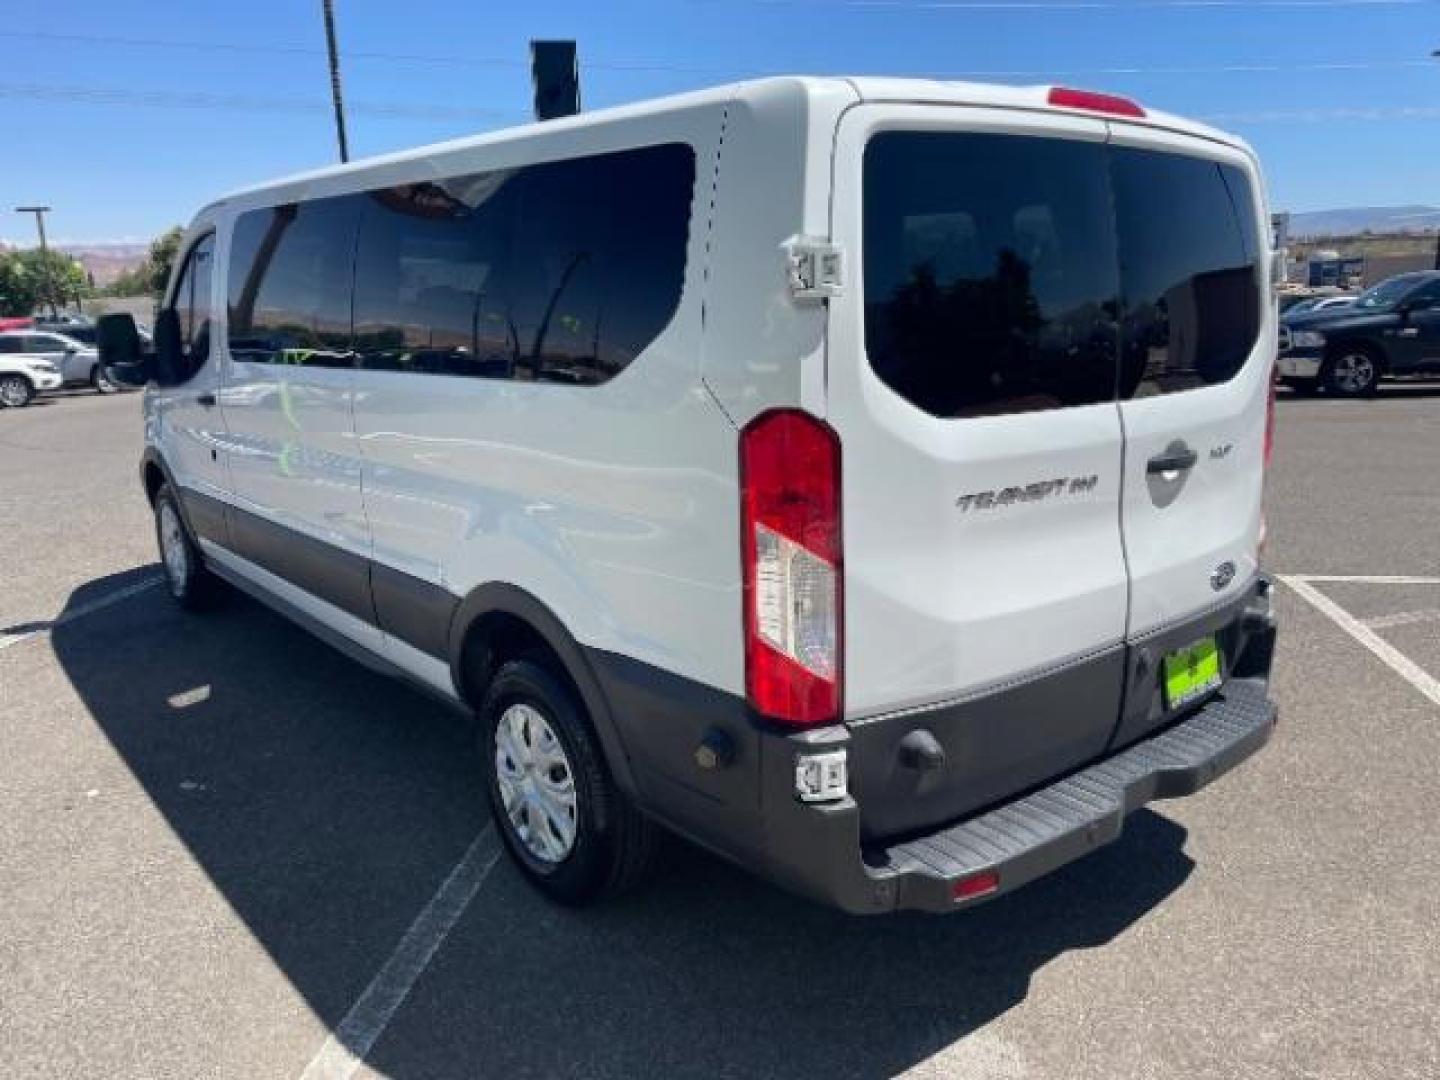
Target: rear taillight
[
  {"x": 1270, "y": 419},
  {"x": 1268, "y": 453},
  {"x": 1092, "y": 101},
  {"x": 790, "y": 547}
]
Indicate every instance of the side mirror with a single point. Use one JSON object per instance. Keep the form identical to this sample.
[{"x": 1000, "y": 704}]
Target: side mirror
[
  {"x": 121, "y": 355},
  {"x": 71, "y": 350},
  {"x": 169, "y": 347}
]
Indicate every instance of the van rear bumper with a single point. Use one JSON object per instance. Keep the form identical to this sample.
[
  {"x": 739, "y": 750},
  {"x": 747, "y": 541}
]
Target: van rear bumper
[{"x": 817, "y": 849}]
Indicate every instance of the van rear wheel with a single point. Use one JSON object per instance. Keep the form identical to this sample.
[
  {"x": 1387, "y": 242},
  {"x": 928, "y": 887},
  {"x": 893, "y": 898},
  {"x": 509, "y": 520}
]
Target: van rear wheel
[{"x": 566, "y": 825}]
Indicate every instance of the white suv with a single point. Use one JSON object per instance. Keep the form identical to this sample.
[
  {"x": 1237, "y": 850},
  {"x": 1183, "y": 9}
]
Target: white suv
[
  {"x": 77, "y": 363},
  {"x": 23, "y": 374},
  {"x": 859, "y": 477}
]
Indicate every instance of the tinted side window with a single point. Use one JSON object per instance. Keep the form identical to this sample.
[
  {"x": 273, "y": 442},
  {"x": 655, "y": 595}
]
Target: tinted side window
[
  {"x": 1188, "y": 268},
  {"x": 990, "y": 272},
  {"x": 428, "y": 278},
  {"x": 290, "y": 279},
  {"x": 1425, "y": 297},
  {"x": 561, "y": 272},
  {"x": 9, "y": 344}
]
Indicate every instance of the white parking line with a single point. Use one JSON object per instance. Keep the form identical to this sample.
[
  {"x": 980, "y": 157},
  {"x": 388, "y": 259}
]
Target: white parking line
[
  {"x": 1403, "y": 618},
  {"x": 6, "y": 640},
  {"x": 344, "y": 1051},
  {"x": 1364, "y": 579},
  {"x": 1398, "y": 662}
]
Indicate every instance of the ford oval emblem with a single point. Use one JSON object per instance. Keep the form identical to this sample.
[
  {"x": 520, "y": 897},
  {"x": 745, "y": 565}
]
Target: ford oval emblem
[{"x": 1222, "y": 575}]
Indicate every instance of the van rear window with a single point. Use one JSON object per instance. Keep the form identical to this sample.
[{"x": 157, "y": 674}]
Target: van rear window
[{"x": 1007, "y": 273}]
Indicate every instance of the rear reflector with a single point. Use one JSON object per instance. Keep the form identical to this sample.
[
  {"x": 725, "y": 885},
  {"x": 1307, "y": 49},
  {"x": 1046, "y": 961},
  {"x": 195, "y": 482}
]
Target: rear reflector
[
  {"x": 977, "y": 885},
  {"x": 1092, "y": 101}
]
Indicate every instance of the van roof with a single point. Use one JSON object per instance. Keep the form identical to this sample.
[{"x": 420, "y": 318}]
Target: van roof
[{"x": 863, "y": 88}]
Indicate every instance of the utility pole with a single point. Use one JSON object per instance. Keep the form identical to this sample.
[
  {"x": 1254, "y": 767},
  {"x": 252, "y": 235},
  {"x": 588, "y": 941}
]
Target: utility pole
[
  {"x": 40, "y": 212},
  {"x": 335, "y": 79}
]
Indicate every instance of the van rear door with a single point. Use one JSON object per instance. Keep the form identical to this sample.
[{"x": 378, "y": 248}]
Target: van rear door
[
  {"x": 971, "y": 378},
  {"x": 1197, "y": 346}
]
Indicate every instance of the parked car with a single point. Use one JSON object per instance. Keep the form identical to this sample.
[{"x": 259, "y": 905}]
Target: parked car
[
  {"x": 1317, "y": 303},
  {"x": 77, "y": 362},
  {"x": 1390, "y": 329},
  {"x": 800, "y": 499},
  {"x": 23, "y": 375}
]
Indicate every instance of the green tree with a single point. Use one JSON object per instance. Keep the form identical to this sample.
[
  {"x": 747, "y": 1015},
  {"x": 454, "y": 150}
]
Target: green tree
[
  {"x": 18, "y": 293},
  {"x": 163, "y": 250},
  {"x": 153, "y": 272},
  {"x": 31, "y": 279}
]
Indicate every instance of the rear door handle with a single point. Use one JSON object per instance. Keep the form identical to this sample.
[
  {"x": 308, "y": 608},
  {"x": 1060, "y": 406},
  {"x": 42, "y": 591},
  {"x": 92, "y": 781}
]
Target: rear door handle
[
  {"x": 206, "y": 399},
  {"x": 1172, "y": 460}
]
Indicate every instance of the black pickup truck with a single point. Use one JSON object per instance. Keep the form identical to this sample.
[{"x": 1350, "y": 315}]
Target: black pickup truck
[{"x": 1391, "y": 329}]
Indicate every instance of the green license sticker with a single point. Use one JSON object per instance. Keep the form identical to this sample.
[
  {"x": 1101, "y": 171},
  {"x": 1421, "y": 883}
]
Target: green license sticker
[{"x": 1190, "y": 673}]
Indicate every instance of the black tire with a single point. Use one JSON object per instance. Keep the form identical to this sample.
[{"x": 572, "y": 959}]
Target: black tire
[
  {"x": 16, "y": 391},
  {"x": 1352, "y": 371},
  {"x": 99, "y": 383},
  {"x": 190, "y": 582},
  {"x": 1303, "y": 387},
  {"x": 614, "y": 846}
]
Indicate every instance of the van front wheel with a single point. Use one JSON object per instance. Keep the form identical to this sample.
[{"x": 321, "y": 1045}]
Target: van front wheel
[
  {"x": 571, "y": 831},
  {"x": 190, "y": 582}
]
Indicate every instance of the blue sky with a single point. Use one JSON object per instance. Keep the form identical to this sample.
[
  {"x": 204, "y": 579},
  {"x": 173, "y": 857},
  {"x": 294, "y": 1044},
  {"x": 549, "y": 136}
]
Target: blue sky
[{"x": 126, "y": 117}]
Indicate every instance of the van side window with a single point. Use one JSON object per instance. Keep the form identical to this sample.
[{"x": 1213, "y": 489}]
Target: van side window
[
  {"x": 989, "y": 272},
  {"x": 290, "y": 283},
  {"x": 194, "y": 307},
  {"x": 428, "y": 278},
  {"x": 558, "y": 272},
  {"x": 1189, "y": 271}
]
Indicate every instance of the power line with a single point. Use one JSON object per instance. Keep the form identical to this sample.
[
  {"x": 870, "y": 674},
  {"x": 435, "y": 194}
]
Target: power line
[
  {"x": 196, "y": 99},
  {"x": 643, "y": 66},
  {"x": 1074, "y": 5},
  {"x": 173, "y": 99},
  {"x": 1326, "y": 115}
]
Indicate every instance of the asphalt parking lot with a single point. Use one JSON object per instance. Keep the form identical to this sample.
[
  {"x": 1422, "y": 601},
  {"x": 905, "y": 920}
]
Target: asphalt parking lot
[{"x": 227, "y": 851}]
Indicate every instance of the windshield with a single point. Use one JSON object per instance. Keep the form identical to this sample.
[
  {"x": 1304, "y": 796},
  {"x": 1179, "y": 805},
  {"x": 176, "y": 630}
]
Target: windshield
[{"x": 1384, "y": 295}]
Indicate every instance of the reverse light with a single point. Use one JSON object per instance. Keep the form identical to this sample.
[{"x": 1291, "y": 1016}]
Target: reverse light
[
  {"x": 1093, "y": 101},
  {"x": 790, "y": 549}
]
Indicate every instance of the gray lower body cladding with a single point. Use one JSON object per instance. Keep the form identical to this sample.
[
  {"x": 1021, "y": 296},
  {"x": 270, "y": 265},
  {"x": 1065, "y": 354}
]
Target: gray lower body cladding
[{"x": 1098, "y": 743}]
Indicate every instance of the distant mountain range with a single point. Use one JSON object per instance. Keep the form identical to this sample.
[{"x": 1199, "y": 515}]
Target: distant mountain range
[
  {"x": 104, "y": 260},
  {"x": 1351, "y": 220}
]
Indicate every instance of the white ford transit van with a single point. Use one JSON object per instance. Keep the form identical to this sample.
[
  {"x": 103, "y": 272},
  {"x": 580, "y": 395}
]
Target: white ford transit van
[{"x": 859, "y": 477}]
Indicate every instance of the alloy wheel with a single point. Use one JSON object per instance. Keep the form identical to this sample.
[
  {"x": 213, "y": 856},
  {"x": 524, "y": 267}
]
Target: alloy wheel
[{"x": 1354, "y": 372}]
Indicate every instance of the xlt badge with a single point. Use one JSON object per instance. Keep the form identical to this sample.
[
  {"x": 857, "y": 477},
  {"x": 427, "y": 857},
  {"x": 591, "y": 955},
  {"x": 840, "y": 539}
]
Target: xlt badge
[{"x": 1040, "y": 489}]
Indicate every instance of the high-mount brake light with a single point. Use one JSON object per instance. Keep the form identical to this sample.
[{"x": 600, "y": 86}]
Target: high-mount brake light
[
  {"x": 793, "y": 572},
  {"x": 1092, "y": 101}
]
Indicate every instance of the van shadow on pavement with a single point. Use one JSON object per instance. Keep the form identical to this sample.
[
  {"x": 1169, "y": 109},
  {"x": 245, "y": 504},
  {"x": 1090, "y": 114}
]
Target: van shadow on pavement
[{"x": 327, "y": 803}]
